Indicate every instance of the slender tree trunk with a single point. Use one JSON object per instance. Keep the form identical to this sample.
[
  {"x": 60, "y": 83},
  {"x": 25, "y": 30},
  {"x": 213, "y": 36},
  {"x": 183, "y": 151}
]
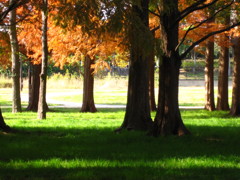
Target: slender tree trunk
[
  {"x": 222, "y": 100},
  {"x": 33, "y": 86},
  {"x": 88, "y": 87},
  {"x": 137, "y": 116},
  {"x": 3, "y": 125},
  {"x": 168, "y": 118},
  {"x": 209, "y": 70},
  {"x": 16, "y": 101},
  {"x": 152, "y": 101},
  {"x": 43, "y": 77},
  {"x": 235, "y": 108},
  {"x": 209, "y": 77}
]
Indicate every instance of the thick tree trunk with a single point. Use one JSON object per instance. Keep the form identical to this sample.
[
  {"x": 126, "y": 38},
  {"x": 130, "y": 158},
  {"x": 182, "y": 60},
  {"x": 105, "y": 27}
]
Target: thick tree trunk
[
  {"x": 3, "y": 125},
  {"x": 152, "y": 101},
  {"x": 42, "y": 109},
  {"x": 168, "y": 118},
  {"x": 16, "y": 100},
  {"x": 88, "y": 87},
  {"x": 137, "y": 116},
  {"x": 222, "y": 100},
  {"x": 235, "y": 108},
  {"x": 33, "y": 86},
  {"x": 209, "y": 77}
]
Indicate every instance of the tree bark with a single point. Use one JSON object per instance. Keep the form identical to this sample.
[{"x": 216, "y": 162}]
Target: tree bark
[
  {"x": 42, "y": 109},
  {"x": 3, "y": 125},
  {"x": 168, "y": 118},
  {"x": 16, "y": 100},
  {"x": 209, "y": 70},
  {"x": 88, "y": 87},
  {"x": 137, "y": 116},
  {"x": 33, "y": 86},
  {"x": 235, "y": 108},
  {"x": 222, "y": 100},
  {"x": 209, "y": 77}
]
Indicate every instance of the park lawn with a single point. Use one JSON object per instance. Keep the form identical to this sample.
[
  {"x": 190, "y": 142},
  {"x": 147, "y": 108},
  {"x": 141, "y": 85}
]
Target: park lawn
[
  {"x": 188, "y": 96},
  {"x": 74, "y": 145}
]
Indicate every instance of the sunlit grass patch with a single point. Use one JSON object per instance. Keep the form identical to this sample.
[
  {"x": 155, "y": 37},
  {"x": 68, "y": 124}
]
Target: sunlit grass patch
[{"x": 74, "y": 145}]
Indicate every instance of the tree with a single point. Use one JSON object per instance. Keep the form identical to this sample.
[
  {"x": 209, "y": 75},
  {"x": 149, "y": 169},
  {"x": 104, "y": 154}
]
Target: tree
[
  {"x": 43, "y": 76},
  {"x": 137, "y": 116},
  {"x": 168, "y": 118},
  {"x": 222, "y": 100},
  {"x": 88, "y": 104},
  {"x": 3, "y": 15},
  {"x": 235, "y": 105},
  {"x": 33, "y": 86},
  {"x": 209, "y": 74},
  {"x": 16, "y": 103}
]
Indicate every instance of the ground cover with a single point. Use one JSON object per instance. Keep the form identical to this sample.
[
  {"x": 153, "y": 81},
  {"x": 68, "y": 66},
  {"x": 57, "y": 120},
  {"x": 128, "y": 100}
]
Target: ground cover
[{"x": 74, "y": 145}]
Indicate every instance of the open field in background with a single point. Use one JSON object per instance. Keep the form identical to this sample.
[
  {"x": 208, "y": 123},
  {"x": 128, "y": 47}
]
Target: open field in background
[
  {"x": 73, "y": 145},
  {"x": 107, "y": 91}
]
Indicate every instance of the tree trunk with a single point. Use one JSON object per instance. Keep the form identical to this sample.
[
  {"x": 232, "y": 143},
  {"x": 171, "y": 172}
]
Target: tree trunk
[
  {"x": 235, "y": 108},
  {"x": 88, "y": 87},
  {"x": 3, "y": 125},
  {"x": 16, "y": 100},
  {"x": 152, "y": 101},
  {"x": 168, "y": 118},
  {"x": 33, "y": 86},
  {"x": 43, "y": 77},
  {"x": 209, "y": 76},
  {"x": 209, "y": 70},
  {"x": 137, "y": 116},
  {"x": 222, "y": 100}
]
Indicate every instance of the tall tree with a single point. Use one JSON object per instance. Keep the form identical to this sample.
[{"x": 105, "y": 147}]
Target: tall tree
[
  {"x": 43, "y": 76},
  {"x": 168, "y": 118},
  {"x": 209, "y": 75},
  {"x": 16, "y": 100},
  {"x": 3, "y": 15},
  {"x": 235, "y": 105},
  {"x": 137, "y": 114},
  {"x": 222, "y": 98}
]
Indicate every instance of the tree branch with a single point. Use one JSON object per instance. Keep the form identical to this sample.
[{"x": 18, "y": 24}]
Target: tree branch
[
  {"x": 11, "y": 7},
  {"x": 192, "y": 27},
  {"x": 194, "y": 7},
  {"x": 206, "y": 37}
]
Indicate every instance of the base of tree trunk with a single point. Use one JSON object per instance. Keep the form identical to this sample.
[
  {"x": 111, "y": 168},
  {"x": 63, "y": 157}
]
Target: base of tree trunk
[
  {"x": 3, "y": 126},
  {"x": 89, "y": 109}
]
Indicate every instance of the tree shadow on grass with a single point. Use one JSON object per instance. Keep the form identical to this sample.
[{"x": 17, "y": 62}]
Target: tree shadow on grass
[
  {"x": 130, "y": 155},
  {"x": 120, "y": 173}
]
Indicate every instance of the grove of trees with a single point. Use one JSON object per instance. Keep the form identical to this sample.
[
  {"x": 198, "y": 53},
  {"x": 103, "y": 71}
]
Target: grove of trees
[{"x": 94, "y": 31}]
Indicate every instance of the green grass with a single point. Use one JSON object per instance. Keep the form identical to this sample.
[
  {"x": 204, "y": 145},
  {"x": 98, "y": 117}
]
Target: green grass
[
  {"x": 188, "y": 96},
  {"x": 74, "y": 145}
]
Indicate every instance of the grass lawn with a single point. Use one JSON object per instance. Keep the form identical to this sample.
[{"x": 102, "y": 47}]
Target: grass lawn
[
  {"x": 74, "y": 145},
  {"x": 188, "y": 96}
]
